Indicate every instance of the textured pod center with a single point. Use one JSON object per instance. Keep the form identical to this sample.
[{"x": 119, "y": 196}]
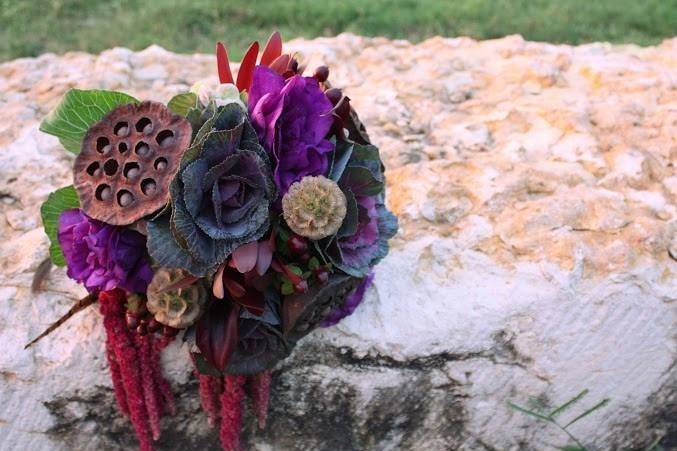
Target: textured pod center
[{"x": 127, "y": 161}]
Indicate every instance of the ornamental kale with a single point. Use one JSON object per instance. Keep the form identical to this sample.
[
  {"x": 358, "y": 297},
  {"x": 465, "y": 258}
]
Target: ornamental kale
[
  {"x": 362, "y": 240},
  {"x": 220, "y": 197}
]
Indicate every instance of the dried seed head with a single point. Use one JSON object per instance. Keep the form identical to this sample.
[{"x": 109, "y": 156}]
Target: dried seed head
[
  {"x": 314, "y": 207},
  {"x": 128, "y": 159},
  {"x": 177, "y": 308}
]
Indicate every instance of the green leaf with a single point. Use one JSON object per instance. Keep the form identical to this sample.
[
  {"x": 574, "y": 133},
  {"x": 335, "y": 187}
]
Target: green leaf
[
  {"x": 597, "y": 406},
  {"x": 362, "y": 181},
  {"x": 655, "y": 445},
  {"x": 529, "y": 412},
  {"x": 340, "y": 159},
  {"x": 313, "y": 263},
  {"x": 295, "y": 269},
  {"x": 287, "y": 288},
  {"x": 572, "y": 448},
  {"x": 568, "y": 404},
  {"x": 77, "y": 111},
  {"x": 182, "y": 103},
  {"x": 203, "y": 367},
  {"x": 350, "y": 222},
  {"x": 366, "y": 152},
  {"x": 58, "y": 201}
]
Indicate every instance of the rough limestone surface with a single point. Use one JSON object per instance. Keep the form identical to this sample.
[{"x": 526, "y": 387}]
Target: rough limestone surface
[{"x": 536, "y": 189}]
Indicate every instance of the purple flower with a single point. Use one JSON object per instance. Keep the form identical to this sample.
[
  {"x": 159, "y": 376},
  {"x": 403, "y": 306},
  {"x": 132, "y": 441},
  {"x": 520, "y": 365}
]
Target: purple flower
[
  {"x": 355, "y": 253},
  {"x": 354, "y": 246},
  {"x": 292, "y": 120},
  {"x": 102, "y": 256},
  {"x": 350, "y": 304}
]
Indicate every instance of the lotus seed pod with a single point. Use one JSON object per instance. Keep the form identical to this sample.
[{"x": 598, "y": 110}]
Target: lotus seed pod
[
  {"x": 177, "y": 308},
  {"x": 314, "y": 207}
]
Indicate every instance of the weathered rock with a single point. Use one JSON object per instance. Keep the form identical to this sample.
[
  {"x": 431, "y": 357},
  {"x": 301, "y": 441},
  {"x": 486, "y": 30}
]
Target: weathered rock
[{"x": 536, "y": 190}]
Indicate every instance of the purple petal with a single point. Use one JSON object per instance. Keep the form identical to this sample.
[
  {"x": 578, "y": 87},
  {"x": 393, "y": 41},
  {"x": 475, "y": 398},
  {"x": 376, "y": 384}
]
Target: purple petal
[{"x": 244, "y": 257}]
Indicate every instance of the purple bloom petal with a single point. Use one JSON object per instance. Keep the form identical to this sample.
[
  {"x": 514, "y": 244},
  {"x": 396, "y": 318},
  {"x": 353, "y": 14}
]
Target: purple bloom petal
[
  {"x": 292, "y": 120},
  {"x": 102, "y": 256},
  {"x": 350, "y": 304}
]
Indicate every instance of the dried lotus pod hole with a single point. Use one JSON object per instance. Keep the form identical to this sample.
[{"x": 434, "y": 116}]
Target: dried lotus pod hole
[{"x": 127, "y": 161}]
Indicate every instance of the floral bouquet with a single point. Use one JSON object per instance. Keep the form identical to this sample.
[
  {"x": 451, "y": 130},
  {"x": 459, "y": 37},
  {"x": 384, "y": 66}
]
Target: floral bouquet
[{"x": 237, "y": 220}]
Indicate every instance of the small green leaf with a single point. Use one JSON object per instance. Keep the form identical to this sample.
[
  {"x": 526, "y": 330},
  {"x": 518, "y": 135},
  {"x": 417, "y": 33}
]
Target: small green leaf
[
  {"x": 313, "y": 263},
  {"x": 597, "y": 406},
  {"x": 77, "y": 111},
  {"x": 572, "y": 448},
  {"x": 58, "y": 201},
  {"x": 295, "y": 269},
  {"x": 287, "y": 288},
  {"x": 655, "y": 445},
  {"x": 568, "y": 404},
  {"x": 203, "y": 367},
  {"x": 529, "y": 412},
  {"x": 182, "y": 103}
]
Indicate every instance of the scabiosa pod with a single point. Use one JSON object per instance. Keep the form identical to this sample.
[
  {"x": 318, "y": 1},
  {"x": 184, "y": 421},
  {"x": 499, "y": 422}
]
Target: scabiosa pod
[{"x": 314, "y": 207}]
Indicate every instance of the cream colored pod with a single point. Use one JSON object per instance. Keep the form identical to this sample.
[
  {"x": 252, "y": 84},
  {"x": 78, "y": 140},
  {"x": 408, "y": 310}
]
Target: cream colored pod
[
  {"x": 177, "y": 308},
  {"x": 314, "y": 207}
]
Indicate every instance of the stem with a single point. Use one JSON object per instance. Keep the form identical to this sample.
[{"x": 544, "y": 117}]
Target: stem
[{"x": 571, "y": 436}]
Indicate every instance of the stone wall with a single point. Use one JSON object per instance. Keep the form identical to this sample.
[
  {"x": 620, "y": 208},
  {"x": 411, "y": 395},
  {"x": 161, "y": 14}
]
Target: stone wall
[{"x": 535, "y": 186}]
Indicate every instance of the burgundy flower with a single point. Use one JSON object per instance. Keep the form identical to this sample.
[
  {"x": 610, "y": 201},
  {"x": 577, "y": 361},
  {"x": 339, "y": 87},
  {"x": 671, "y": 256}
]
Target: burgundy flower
[
  {"x": 292, "y": 118},
  {"x": 101, "y": 256}
]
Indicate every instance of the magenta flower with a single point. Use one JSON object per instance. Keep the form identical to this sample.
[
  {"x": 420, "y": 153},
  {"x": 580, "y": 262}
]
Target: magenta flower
[
  {"x": 102, "y": 256},
  {"x": 292, "y": 119}
]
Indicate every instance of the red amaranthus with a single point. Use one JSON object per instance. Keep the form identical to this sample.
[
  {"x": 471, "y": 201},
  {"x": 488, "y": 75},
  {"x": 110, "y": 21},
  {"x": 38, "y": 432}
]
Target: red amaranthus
[
  {"x": 141, "y": 391},
  {"x": 222, "y": 400}
]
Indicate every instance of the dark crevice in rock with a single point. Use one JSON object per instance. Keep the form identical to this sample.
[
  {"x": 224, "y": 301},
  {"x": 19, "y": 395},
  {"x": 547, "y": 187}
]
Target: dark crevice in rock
[
  {"x": 657, "y": 420},
  {"x": 502, "y": 353},
  {"x": 324, "y": 398}
]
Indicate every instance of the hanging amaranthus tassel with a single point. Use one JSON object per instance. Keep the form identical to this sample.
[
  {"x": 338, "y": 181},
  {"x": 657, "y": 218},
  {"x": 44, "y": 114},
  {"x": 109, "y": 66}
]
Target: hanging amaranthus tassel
[
  {"x": 161, "y": 384},
  {"x": 151, "y": 395},
  {"x": 210, "y": 393},
  {"x": 116, "y": 376},
  {"x": 222, "y": 401},
  {"x": 231, "y": 412},
  {"x": 140, "y": 389},
  {"x": 113, "y": 310},
  {"x": 259, "y": 392}
]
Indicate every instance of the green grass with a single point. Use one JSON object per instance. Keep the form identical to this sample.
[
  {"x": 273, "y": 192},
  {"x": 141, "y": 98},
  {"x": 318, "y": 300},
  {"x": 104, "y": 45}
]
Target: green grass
[{"x": 31, "y": 27}]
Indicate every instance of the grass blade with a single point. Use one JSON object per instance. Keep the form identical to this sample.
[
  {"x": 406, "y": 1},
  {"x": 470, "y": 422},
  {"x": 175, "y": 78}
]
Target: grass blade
[
  {"x": 568, "y": 404},
  {"x": 654, "y": 445},
  {"x": 528, "y": 412},
  {"x": 597, "y": 406}
]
